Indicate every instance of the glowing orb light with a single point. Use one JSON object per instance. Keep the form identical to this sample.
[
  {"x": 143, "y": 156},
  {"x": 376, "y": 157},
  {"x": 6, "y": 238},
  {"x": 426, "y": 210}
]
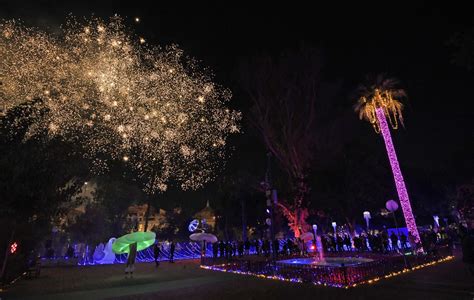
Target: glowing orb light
[{"x": 193, "y": 225}]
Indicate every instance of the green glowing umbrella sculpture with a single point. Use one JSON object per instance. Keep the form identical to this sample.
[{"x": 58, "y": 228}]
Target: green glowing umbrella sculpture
[{"x": 143, "y": 240}]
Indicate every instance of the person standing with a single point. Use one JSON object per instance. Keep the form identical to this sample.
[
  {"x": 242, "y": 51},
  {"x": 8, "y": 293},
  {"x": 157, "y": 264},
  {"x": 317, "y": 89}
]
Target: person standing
[
  {"x": 234, "y": 249},
  {"x": 157, "y": 253},
  {"x": 347, "y": 242},
  {"x": 403, "y": 241},
  {"x": 247, "y": 247},
  {"x": 276, "y": 247},
  {"x": 340, "y": 243},
  {"x": 241, "y": 248},
  {"x": 132, "y": 255},
  {"x": 228, "y": 252},
  {"x": 385, "y": 243},
  {"x": 266, "y": 247},
  {"x": 215, "y": 250},
  {"x": 257, "y": 246},
  {"x": 172, "y": 246},
  {"x": 394, "y": 240},
  {"x": 467, "y": 247},
  {"x": 221, "y": 249}
]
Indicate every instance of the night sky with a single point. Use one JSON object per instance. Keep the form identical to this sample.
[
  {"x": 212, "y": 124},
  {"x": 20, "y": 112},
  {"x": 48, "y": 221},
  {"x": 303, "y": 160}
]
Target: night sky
[{"x": 408, "y": 41}]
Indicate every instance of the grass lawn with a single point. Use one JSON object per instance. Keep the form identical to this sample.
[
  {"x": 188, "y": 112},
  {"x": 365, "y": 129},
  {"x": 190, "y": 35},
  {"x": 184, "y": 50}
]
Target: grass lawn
[{"x": 185, "y": 280}]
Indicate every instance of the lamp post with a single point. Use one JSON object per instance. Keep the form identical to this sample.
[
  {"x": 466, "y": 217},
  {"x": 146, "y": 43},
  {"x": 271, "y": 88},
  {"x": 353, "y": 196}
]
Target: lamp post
[
  {"x": 315, "y": 229},
  {"x": 272, "y": 197},
  {"x": 334, "y": 225},
  {"x": 392, "y": 206},
  {"x": 367, "y": 219}
]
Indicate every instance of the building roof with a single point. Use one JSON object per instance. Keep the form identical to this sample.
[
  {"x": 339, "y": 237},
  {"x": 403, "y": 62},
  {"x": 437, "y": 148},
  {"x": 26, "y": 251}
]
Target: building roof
[{"x": 206, "y": 212}]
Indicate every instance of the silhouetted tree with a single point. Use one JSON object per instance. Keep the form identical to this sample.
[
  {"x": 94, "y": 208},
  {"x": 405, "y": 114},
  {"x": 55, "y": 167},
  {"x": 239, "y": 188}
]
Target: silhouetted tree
[{"x": 284, "y": 91}]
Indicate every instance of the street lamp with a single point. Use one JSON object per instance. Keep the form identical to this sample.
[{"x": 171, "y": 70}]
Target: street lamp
[
  {"x": 272, "y": 200},
  {"x": 334, "y": 226},
  {"x": 392, "y": 206},
  {"x": 335, "y": 234},
  {"x": 315, "y": 229},
  {"x": 367, "y": 218}
]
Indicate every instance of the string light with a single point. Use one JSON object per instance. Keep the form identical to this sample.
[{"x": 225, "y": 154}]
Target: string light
[
  {"x": 384, "y": 99},
  {"x": 397, "y": 174},
  {"x": 226, "y": 268},
  {"x": 13, "y": 247},
  {"x": 377, "y": 103},
  {"x": 122, "y": 98}
]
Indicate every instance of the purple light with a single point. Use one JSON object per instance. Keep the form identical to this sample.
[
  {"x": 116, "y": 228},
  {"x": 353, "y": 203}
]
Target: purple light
[
  {"x": 331, "y": 277},
  {"x": 397, "y": 174}
]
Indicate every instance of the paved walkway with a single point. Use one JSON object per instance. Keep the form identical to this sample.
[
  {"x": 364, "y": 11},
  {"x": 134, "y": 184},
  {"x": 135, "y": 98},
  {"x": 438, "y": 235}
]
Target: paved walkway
[{"x": 183, "y": 280}]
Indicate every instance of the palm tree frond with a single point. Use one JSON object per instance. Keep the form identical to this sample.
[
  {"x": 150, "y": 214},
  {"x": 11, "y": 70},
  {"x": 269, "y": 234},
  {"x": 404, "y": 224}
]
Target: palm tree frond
[{"x": 383, "y": 92}]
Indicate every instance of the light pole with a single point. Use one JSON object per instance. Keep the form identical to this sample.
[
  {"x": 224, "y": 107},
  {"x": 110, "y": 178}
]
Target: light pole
[
  {"x": 334, "y": 225},
  {"x": 367, "y": 219},
  {"x": 315, "y": 229},
  {"x": 271, "y": 202}
]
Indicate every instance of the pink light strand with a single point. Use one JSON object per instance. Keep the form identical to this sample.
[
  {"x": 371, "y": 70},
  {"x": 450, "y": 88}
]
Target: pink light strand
[{"x": 397, "y": 174}]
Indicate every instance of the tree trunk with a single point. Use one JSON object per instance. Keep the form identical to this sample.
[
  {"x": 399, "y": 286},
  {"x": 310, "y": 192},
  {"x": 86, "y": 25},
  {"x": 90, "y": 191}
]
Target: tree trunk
[
  {"x": 300, "y": 204},
  {"x": 301, "y": 192},
  {"x": 226, "y": 228},
  {"x": 244, "y": 219},
  {"x": 5, "y": 260},
  {"x": 397, "y": 175},
  {"x": 147, "y": 214}
]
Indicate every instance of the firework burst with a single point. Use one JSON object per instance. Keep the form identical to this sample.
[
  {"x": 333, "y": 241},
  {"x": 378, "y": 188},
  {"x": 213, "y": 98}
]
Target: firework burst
[{"x": 103, "y": 87}]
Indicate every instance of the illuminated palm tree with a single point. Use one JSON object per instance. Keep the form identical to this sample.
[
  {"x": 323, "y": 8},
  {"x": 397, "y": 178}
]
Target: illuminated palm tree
[{"x": 379, "y": 101}]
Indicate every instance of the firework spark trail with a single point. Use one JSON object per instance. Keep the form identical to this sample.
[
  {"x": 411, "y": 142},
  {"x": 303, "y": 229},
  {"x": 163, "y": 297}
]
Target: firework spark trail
[{"x": 102, "y": 86}]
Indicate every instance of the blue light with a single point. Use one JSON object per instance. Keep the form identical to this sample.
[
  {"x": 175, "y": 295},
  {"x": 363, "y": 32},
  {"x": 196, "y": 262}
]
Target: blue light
[{"x": 183, "y": 251}]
